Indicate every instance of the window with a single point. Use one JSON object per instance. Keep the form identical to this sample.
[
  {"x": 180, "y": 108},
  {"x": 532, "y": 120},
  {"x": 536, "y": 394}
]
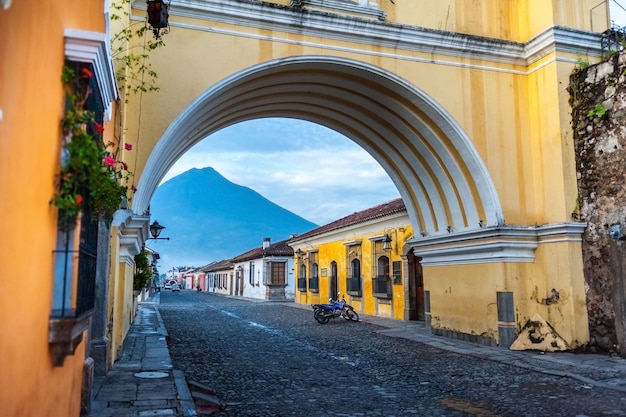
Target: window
[
  {"x": 353, "y": 274},
  {"x": 277, "y": 273},
  {"x": 75, "y": 258},
  {"x": 333, "y": 284},
  {"x": 302, "y": 276},
  {"x": 251, "y": 274},
  {"x": 396, "y": 267},
  {"x": 314, "y": 280},
  {"x": 381, "y": 285}
]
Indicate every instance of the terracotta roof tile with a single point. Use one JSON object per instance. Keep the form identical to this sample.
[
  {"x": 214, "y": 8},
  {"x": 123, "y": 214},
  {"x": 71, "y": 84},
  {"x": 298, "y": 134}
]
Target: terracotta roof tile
[
  {"x": 381, "y": 210},
  {"x": 276, "y": 249}
]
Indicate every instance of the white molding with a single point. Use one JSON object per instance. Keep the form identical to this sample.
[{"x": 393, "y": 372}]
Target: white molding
[
  {"x": 93, "y": 48},
  {"x": 495, "y": 244},
  {"x": 132, "y": 233},
  {"x": 363, "y": 8},
  {"x": 402, "y": 38}
]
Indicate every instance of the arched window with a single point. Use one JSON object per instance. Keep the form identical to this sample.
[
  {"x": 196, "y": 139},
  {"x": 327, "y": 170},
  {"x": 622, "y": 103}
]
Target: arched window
[
  {"x": 314, "y": 280},
  {"x": 381, "y": 285},
  {"x": 302, "y": 277},
  {"x": 353, "y": 275}
]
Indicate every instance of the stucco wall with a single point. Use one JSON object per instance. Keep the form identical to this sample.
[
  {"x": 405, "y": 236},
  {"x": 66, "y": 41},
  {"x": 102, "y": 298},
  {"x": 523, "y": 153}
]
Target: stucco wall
[{"x": 31, "y": 99}]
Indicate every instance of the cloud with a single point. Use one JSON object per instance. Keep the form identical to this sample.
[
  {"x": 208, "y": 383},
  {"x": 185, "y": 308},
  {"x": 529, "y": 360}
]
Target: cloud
[{"x": 306, "y": 168}]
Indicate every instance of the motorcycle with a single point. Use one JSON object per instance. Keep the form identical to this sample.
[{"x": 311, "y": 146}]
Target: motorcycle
[{"x": 335, "y": 308}]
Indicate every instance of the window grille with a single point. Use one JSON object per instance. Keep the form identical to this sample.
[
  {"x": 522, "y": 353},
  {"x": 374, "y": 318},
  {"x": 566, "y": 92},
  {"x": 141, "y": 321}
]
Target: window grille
[
  {"x": 302, "y": 277},
  {"x": 314, "y": 282},
  {"x": 353, "y": 273},
  {"x": 381, "y": 285}
]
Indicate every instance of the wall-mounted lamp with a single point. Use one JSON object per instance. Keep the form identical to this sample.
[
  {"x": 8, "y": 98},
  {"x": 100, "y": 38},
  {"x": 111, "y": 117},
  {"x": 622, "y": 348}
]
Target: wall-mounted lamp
[
  {"x": 481, "y": 224},
  {"x": 450, "y": 229},
  {"x": 158, "y": 13},
  {"x": 155, "y": 231},
  {"x": 387, "y": 243}
]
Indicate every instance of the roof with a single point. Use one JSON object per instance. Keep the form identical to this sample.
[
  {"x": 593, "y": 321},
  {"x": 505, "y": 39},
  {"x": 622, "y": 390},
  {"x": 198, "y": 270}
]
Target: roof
[
  {"x": 218, "y": 266},
  {"x": 382, "y": 210},
  {"x": 276, "y": 249}
]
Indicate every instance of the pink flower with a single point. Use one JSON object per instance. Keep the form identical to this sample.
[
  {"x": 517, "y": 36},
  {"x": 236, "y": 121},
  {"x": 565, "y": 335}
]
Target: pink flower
[
  {"x": 99, "y": 128},
  {"x": 110, "y": 161},
  {"x": 128, "y": 146}
]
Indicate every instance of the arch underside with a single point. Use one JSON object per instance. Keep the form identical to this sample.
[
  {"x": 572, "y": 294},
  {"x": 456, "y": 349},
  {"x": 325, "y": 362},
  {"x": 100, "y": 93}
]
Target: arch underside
[{"x": 435, "y": 167}]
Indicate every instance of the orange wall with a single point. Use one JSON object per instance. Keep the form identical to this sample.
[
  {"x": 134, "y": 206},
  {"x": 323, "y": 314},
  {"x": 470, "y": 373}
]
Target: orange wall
[{"x": 31, "y": 59}]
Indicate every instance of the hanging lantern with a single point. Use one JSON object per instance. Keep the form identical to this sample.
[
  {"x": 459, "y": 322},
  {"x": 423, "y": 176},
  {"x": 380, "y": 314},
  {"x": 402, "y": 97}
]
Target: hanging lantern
[{"x": 157, "y": 17}]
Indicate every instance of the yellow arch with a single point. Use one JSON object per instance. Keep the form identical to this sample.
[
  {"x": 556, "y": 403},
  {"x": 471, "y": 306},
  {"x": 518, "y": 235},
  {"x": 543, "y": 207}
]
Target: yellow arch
[{"x": 436, "y": 168}]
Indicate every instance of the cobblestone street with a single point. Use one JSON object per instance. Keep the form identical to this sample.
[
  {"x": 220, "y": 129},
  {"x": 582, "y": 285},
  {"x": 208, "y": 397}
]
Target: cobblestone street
[{"x": 272, "y": 359}]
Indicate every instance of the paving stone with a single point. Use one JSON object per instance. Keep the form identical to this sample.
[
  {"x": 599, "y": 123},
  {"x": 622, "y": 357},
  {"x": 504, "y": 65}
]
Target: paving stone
[{"x": 273, "y": 359}]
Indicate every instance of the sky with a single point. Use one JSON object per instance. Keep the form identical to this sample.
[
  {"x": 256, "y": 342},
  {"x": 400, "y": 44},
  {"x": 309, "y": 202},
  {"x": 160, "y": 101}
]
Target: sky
[
  {"x": 618, "y": 12},
  {"x": 306, "y": 168},
  {"x": 303, "y": 167}
]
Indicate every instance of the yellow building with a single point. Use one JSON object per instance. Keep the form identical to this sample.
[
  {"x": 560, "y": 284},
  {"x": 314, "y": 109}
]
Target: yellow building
[
  {"x": 365, "y": 258},
  {"x": 463, "y": 103}
]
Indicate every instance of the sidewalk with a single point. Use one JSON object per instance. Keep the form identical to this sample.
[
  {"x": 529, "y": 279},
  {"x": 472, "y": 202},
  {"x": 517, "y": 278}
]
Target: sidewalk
[
  {"x": 142, "y": 382},
  {"x": 590, "y": 369}
]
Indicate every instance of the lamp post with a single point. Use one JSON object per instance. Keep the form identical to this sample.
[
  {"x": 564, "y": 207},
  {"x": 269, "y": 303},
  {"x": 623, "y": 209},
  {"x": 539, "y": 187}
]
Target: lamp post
[{"x": 155, "y": 231}]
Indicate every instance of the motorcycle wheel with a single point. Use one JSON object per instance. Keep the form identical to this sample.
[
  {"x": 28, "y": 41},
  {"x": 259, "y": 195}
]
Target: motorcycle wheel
[
  {"x": 320, "y": 317},
  {"x": 350, "y": 314}
]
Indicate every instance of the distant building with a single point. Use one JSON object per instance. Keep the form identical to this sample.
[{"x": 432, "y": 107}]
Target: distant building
[
  {"x": 265, "y": 272},
  {"x": 363, "y": 257}
]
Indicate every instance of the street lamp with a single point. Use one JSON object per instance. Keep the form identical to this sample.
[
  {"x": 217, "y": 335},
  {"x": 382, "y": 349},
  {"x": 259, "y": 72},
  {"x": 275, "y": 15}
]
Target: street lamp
[
  {"x": 155, "y": 231},
  {"x": 157, "y": 17}
]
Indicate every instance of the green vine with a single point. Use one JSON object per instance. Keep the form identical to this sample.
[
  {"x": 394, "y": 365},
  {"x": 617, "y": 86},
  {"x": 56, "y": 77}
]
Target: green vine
[{"x": 134, "y": 71}]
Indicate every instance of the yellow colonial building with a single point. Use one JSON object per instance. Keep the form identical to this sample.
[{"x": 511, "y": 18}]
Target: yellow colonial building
[{"x": 365, "y": 258}]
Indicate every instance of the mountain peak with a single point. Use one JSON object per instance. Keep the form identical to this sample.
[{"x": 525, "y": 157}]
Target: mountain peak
[{"x": 209, "y": 218}]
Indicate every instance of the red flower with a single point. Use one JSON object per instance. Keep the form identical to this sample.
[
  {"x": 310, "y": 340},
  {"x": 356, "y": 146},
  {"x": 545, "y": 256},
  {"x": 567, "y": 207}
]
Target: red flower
[
  {"x": 128, "y": 146},
  {"x": 110, "y": 161},
  {"x": 78, "y": 199},
  {"x": 87, "y": 72},
  {"x": 99, "y": 128}
]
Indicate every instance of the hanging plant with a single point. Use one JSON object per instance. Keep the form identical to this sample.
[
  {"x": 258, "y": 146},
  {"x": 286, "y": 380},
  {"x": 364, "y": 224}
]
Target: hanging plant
[
  {"x": 89, "y": 167},
  {"x": 143, "y": 275}
]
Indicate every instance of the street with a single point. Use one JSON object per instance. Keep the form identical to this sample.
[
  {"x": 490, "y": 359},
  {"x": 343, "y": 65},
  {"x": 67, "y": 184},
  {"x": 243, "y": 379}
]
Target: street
[{"x": 273, "y": 359}]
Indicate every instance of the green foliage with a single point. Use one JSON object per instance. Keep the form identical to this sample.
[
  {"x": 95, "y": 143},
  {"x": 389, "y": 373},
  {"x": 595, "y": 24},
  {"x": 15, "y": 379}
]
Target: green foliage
[
  {"x": 598, "y": 110},
  {"x": 89, "y": 168},
  {"x": 130, "y": 49},
  {"x": 581, "y": 63},
  {"x": 143, "y": 275}
]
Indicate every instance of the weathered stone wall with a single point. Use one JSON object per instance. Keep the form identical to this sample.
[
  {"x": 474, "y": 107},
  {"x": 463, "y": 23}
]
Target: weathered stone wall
[{"x": 598, "y": 100}]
